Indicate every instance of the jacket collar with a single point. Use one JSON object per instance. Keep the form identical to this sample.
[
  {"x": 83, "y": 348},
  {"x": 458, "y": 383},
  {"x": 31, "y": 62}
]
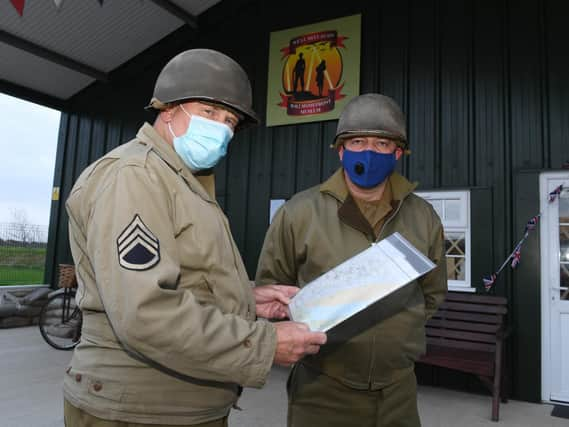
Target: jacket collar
[
  {"x": 202, "y": 185},
  {"x": 336, "y": 186},
  {"x": 348, "y": 210}
]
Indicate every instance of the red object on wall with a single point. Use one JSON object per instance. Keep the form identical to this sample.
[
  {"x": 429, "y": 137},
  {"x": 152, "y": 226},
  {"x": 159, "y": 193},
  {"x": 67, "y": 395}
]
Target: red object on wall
[{"x": 19, "y": 6}]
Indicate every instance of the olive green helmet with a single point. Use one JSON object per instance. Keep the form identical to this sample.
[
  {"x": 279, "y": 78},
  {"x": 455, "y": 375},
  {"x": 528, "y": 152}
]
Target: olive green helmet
[
  {"x": 205, "y": 75},
  {"x": 375, "y": 115}
]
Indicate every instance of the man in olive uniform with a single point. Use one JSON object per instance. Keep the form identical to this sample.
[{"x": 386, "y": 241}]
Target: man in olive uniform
[
  {"x": 364, "y": 376},
  {"x": 170, "y": 332}
]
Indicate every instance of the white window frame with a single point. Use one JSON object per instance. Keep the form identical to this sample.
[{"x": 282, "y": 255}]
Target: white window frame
[
  {"x": 461, "y": 225},
  {"x": 274, "y": 205}
]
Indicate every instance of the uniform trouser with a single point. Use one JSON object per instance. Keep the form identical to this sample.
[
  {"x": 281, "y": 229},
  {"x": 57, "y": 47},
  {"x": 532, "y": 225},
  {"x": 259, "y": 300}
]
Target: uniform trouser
[
  {"x": 75, "y": 417},
  {"x": 316, "y": 400}
]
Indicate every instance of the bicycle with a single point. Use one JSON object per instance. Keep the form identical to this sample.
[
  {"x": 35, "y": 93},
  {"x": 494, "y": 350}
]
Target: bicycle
[{"x": 60, "y": 318}]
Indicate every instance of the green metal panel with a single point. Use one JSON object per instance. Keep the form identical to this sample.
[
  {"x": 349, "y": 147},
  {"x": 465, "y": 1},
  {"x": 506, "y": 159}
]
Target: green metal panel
[
  {"x": 309, "y": 156},
  {"x": 455, "y": 32},
  {"x": 283, "y": 168},
  {"x": 423, "y": 113},
  {"x": 481, "y": 236},
  {"x": 237, "y": 186},
  {"x": 259, "y": 193},
  {"x": 557, "y": 34},
  {"x": 525, "y": 312}
]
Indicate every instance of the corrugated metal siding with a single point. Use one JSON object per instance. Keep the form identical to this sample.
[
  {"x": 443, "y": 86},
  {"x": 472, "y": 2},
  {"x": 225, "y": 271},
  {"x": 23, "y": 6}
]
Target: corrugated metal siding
[{"x": 483, "y": 82}]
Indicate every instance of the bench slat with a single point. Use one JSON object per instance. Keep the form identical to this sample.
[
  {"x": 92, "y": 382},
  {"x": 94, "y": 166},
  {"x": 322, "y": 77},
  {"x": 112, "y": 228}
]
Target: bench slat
[
  {"x": 461, "y": 335},
  {"x": 478, "y": 367},
  {"x": 468, "y": 345},
  {"x": 484, "y": 299},
  {"x": 473, "y": 317},
  {"x": 478, "y": 308},
  {"x": 463, "y": 326}
]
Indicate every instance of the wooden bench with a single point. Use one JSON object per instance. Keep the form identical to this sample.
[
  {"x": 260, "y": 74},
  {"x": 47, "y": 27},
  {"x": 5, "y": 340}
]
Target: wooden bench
[{"x": 467, "y": 334}]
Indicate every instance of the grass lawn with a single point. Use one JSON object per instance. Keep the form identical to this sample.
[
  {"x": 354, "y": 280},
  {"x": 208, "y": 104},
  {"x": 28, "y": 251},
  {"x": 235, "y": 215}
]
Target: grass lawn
[
  {"x": 20, "y": 276},
  {"x": 21, "y": 266}
]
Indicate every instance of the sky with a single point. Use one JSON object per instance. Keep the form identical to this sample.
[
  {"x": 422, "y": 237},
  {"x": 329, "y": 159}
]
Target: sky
[{"x": 28, "y": 142}]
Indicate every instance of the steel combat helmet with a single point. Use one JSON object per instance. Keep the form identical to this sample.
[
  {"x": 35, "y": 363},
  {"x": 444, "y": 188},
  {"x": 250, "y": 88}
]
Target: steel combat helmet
[
  {"x": 374, "y": 115},
  {"x": 205, "y": 75}
]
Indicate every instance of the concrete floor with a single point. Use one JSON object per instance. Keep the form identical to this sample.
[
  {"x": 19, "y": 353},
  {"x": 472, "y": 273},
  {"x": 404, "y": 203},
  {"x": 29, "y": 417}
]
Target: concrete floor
[{"x": 31, "y": 375}]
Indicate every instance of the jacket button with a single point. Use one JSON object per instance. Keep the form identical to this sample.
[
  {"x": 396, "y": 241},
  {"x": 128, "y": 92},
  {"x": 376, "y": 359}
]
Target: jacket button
[
  {"x": 97, "y": 386},
  {"x": 78, "y": 378},
  {"x": 247, "y": 343}
]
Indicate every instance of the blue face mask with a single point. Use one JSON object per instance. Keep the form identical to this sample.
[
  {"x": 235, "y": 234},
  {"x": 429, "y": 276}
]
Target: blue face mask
[
  {"x": 204, "y": 143},
  {"x": 368, "y": 169}
]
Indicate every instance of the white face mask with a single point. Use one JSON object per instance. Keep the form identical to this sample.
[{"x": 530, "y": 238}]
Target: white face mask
[{"x": 204, "y": 143}]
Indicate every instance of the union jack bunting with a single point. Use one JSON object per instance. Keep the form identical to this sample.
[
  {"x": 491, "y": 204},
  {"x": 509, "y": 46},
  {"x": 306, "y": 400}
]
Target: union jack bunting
[
  {"x": 532, "y": 223},
  {"x": 489, "y": 281},
  {"x": 555, "y": 193},
  {"x": 516, "y": 256}
]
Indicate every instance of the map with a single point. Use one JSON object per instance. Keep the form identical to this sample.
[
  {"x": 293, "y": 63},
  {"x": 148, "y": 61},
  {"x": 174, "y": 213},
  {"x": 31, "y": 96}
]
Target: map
[{"x": 358, "y": 282}]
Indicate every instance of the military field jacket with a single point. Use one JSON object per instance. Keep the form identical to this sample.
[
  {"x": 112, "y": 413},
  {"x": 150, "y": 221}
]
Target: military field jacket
[
  {"x": 169, "y": 315},
  {"x": 320, "y": 228}
]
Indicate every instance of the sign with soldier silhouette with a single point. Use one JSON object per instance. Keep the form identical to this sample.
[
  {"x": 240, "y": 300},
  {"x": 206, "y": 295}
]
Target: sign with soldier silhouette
[{"x": 314, "y": 70}]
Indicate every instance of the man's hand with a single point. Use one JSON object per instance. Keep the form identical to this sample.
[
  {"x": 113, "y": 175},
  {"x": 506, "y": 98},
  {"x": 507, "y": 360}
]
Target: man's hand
[
  {"x": 294, "y": 341},
  {"x": 272, "y": 300}
]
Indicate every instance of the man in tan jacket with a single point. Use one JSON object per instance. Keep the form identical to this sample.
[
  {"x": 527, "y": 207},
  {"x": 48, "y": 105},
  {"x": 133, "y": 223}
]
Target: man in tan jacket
[
  {"x": 364, "y": 376},
  {"x": 170, "y": 331}
]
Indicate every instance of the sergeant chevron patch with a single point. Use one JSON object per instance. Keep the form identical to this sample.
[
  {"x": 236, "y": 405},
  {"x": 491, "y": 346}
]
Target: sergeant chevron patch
[{"x": 137, "y": 247}]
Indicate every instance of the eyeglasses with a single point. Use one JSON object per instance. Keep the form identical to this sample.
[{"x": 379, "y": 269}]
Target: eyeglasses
[{"x": 380, "y": 145}]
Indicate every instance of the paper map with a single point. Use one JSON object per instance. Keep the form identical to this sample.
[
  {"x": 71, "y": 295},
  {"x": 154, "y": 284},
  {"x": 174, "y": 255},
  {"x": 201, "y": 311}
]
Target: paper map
[{"x": 358, "y": 282}]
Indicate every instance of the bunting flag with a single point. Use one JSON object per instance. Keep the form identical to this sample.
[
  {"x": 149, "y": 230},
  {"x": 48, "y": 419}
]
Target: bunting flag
[
  {"x": 489, "y": 281},
  {"x": 555, "y": 193},
  {"x": 516, "y": 257},
  {"x": 516, "y": 254},
  {"x": 19, "y": 6},
  {"x": 532, "y": 223}
]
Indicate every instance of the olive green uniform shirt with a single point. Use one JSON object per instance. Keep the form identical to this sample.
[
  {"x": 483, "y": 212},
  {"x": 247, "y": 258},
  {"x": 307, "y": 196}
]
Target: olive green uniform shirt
[{"x": 320, "y": 228}]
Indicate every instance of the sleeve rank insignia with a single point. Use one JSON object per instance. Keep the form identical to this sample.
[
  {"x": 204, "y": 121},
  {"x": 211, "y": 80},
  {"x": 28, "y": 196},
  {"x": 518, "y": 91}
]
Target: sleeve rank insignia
[{"x": 138, "y": 248}]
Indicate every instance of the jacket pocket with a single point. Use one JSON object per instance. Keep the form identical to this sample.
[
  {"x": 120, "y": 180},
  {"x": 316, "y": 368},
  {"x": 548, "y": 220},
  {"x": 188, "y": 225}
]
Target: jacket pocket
[{"x": 108, "y": 390}]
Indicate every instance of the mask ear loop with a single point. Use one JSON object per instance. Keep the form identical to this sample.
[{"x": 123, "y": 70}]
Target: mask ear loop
[
  {"x": 170, "y": 126},
  {"x": 184, "y": 110}
]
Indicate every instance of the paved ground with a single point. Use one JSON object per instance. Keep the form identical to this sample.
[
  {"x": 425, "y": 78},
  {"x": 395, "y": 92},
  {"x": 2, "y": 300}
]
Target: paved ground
[{"x": 30, "y": 394}]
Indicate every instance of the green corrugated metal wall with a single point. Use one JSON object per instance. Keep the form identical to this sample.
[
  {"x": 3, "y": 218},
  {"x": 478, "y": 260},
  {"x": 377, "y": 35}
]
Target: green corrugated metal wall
[{"x": 484, "y": 84}]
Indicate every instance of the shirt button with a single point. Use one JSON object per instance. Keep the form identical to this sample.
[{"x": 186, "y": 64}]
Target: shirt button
[
  {"x": 247, "y": 343},
  {"x": 78, "y": 378},
  {"x": 97, "y": 386}
]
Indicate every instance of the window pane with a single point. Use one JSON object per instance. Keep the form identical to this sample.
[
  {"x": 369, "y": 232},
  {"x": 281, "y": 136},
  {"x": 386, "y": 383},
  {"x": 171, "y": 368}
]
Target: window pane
[
  {"x": 455, "y": 269},
  {"x": 452, "y": 210},
  {"x": 564, "y": 279},
  {"x": 438, "y": 206},
  {"x": 456, "y": 255},
  {"x": 564, "y": 208},
  {"x": 454, "y": 244},
  {"x": 564, "y": 246}
]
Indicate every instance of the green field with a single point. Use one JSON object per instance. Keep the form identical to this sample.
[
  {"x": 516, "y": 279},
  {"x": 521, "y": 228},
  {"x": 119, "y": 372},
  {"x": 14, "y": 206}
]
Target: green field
[
  {"x": 21, "y": 265},
  {"x": 20, "y": 276}
]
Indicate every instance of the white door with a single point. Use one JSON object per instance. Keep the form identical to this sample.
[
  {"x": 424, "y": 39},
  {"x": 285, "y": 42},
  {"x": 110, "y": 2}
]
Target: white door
[{"x": 554, "y": 238}]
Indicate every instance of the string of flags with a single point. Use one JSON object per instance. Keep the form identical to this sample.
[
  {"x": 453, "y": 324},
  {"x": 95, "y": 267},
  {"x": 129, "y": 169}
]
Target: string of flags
[
  {"x": 19, "y": 5},
  {"x": 515, "y": 256}
]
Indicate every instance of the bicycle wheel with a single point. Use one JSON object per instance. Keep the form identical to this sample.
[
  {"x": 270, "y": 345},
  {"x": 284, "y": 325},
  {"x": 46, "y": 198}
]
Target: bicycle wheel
[{"x": 60, "y": 321}]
